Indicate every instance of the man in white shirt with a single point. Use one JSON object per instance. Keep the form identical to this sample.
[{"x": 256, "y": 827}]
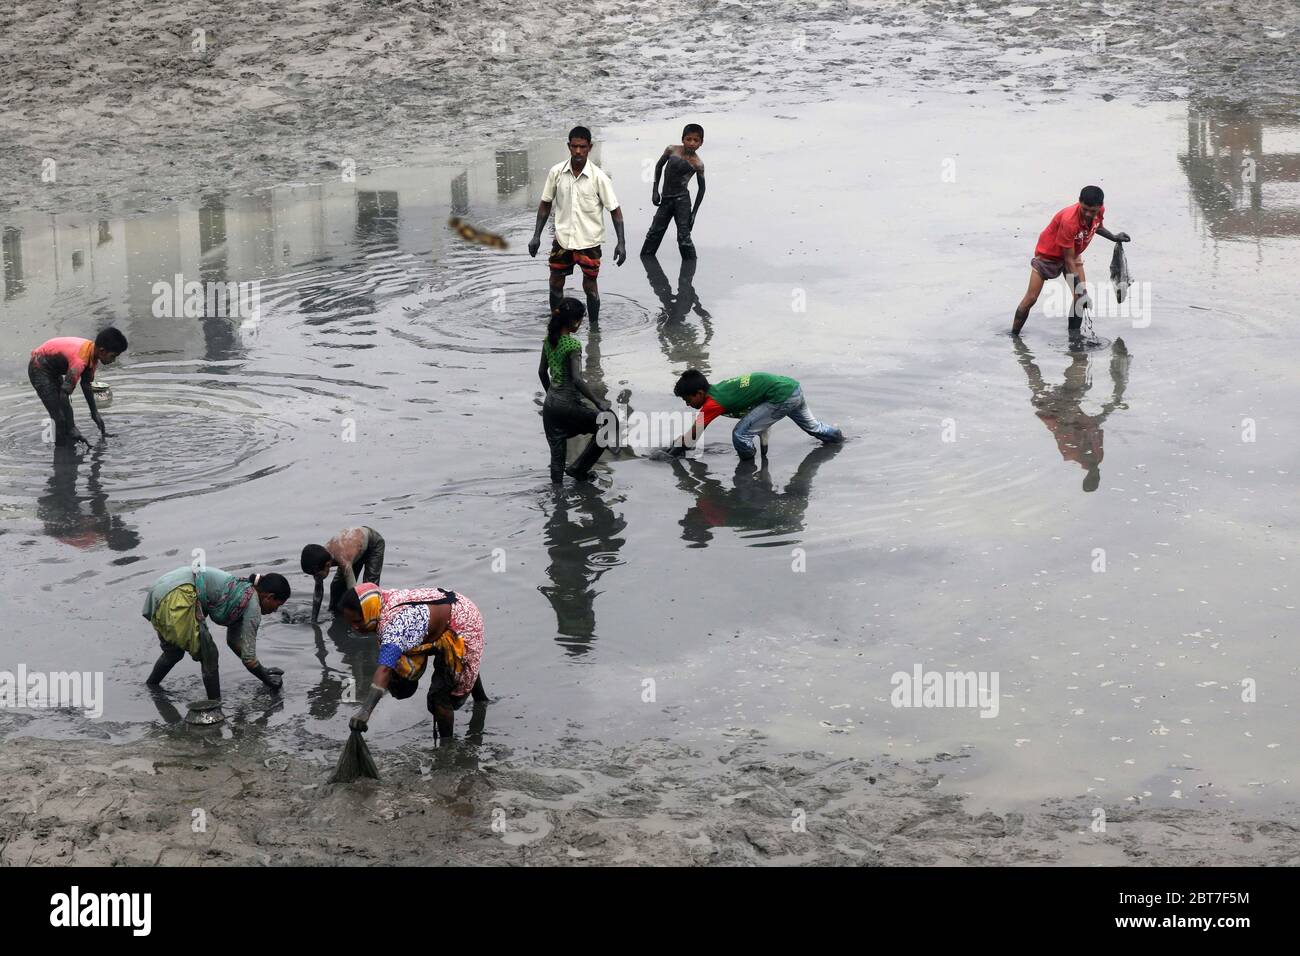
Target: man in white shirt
[{"x": 580, "y": 192}]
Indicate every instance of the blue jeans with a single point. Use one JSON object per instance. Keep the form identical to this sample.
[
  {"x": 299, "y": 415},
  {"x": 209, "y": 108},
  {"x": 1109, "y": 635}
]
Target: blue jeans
[{"x": 762, "y": 417}]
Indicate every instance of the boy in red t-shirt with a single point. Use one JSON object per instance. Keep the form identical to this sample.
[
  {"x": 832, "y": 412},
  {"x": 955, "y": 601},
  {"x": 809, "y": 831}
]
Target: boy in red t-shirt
[
  {"x": 1060, "y": 252},
  {"x": 58, "y": 365}
]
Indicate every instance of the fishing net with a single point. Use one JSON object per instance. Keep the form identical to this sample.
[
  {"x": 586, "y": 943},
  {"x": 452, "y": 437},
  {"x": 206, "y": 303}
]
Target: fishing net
[{"x": 355, "y": 761}]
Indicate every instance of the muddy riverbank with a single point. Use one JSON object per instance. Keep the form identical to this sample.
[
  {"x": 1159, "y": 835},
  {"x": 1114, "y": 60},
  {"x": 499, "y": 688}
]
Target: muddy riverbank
[
  {"x": 139, "y": 104},
  {"x": 182, "y": 799}
]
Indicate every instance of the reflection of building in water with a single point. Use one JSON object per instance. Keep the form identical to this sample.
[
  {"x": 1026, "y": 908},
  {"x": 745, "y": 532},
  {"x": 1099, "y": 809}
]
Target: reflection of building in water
[
  {"x": 1244, "y": 171},
  {"x": 460, "y": 195},
  {"x": 512, "y": 170},
  {"x": 242, "y": 238},
  {"x": 221, "y": 341},
  {"x": 377, "y": 218},
  {"x": 1079, "y": 436},
  {"x": 11, "y": 251},
  {"x": 582, "y": 539},
  {"x": 750, "y": 502}
]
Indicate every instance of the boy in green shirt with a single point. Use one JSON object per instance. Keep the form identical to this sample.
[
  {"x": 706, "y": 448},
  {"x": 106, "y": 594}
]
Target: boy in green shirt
[{"x": 758, "y": 399}]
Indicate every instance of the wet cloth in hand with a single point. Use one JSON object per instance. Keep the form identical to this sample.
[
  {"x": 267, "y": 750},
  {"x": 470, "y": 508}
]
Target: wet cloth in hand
[
  {"x": 1119, "y": 274},
  {"x": 355, "y": 761}
]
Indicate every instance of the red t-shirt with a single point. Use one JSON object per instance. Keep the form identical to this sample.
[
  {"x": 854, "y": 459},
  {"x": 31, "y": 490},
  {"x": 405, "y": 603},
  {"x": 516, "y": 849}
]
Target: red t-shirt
[
  {"x": 1066, "y": 229},
  {"x": 79, "y": 353}
]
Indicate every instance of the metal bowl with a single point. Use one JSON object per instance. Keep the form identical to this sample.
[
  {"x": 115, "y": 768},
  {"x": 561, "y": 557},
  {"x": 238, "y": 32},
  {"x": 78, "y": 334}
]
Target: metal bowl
[{"x": 204, "y": 712}]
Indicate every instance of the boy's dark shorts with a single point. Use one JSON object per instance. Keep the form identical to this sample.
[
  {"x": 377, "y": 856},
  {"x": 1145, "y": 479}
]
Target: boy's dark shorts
[
  {"x": 1047, "y": 268},
  {"x": 563, "y": 260}
]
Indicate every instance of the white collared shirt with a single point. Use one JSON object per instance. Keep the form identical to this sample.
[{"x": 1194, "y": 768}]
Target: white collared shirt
[{"x": 579, "y": 204}]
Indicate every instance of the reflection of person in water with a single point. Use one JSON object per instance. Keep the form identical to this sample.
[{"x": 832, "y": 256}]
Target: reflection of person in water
[
  {"x": 1078, "y": 435},
  {"x": 751, "y": 503},
  {"x": 60, "y": 507},
  {"x": 357, "y": 656},
  {"x": 677, "y": 337},
  {"x": 580, "y": 528}
]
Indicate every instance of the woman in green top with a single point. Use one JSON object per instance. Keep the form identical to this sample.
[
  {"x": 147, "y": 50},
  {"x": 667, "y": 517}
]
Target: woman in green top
[
  {"x": 179, "y": 604},
  {"x": 564, "y": 413}
]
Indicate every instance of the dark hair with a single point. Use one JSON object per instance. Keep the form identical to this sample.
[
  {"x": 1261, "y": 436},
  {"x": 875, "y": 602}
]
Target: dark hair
[
  {"x": 111, "y": 340},
  {"x": 570, "y": 311},
  {"x": 692, "y": 128},
  {"x": 1091, "y": 196},
  {"x": 692, "y": 381},
  {"x": 314, "y": 557},
  {"x": 350, "y": 601},
  {"x": 580, "y": 132},
  {"x": 272, "y": 584}
]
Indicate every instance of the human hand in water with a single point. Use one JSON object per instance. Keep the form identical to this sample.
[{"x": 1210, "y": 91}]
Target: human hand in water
[
  {"x": 533, "y": 245},
  {"x": 620, "y": 254},
  {"x": 102, "y": 431}
]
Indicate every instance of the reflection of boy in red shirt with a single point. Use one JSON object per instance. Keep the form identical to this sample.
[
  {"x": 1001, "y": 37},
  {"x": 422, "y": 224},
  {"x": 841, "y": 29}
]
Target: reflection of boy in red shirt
[
  {"x": 1060, "y": 252},
  {"x": 1079, "y": 436}
]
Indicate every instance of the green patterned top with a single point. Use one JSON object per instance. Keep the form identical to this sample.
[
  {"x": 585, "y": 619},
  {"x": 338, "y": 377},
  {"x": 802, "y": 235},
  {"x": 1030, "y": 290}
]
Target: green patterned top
[{"x": 557, "y": 357}]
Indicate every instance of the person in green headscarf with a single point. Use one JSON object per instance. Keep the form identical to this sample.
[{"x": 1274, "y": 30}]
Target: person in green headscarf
[{"x": 180, "y": 603}]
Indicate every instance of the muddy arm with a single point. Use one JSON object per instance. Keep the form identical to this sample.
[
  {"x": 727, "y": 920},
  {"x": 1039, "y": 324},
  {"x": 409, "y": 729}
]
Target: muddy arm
[
  {"x": 659, "y": 168},
  {"x": 543, "y": 213},
  {"x": 575, "y": 375},
  {"x": 378, "y": 687},
  {"x": 318, "y": 595}
]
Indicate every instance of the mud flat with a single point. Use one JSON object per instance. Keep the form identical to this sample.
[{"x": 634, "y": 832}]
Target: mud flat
[
  {"x": 139, "y": 103},
  {"x": 178, "y": 798}
]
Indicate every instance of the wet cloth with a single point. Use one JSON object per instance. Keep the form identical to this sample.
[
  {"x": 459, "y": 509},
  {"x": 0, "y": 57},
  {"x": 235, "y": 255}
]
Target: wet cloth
[
  {"x": 47, "y": 379},
  {"x": 404, "y": 633},
  {"x": 671, "y": 208},
  {"x": 1120, "y": 279},
  {"x": 1046, "y": 266},
  {"x": 579, "y": 205},
  {"x": 355, "y": 761},
  {"x": 1066, "y": 231},
  {"x": 177, "y": 621},
  {"x": 563, "y": 260},
  {"x": 224, "y": 598},
  {"x": 77, "y": 356},
  {"x": 763, "y": 416}
]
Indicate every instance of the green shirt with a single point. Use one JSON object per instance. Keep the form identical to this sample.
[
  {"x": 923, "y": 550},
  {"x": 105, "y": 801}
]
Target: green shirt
[
  {"x": 738, "y": 396},
  {"x": 557, "y": 358}
]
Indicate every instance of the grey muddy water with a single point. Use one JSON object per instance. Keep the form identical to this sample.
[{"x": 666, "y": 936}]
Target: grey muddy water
[{"x": 390, "y": 380}]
